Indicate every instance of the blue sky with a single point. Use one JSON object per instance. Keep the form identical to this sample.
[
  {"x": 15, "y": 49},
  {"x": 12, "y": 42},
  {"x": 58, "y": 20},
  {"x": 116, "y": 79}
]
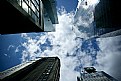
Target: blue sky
[
  {"x": 70, "y": 5},
  {"x": 8, "y": 43},
  {"x": 8, "y": 57}
]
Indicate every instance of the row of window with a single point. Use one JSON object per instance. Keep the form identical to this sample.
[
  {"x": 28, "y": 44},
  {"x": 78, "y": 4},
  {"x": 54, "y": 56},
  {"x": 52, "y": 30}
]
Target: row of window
[
  {"x": 98, "y": 79},
  {"x": 47, "y": 71},
  {"x": 98, "y": 76},
  {"x": 31, "y": 7}
]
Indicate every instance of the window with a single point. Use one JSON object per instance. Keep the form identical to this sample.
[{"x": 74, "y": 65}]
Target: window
[{"x": 31, "y": 7}]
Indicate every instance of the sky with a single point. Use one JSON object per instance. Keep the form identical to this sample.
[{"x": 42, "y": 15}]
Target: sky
[
  {"x": 67, "y": 4},
  {"x": 68, "y": 42}
]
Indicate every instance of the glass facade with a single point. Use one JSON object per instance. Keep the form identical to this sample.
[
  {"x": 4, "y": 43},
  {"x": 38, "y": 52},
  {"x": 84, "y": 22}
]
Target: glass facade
[
  {"x": 107, "y": 18},
  {"x": 32, "y": 7}
]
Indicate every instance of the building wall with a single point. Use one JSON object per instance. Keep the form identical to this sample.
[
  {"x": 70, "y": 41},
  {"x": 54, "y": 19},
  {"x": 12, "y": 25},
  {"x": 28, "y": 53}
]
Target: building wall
[
  {"x": 45, "y": 69},
  {"x": 107, "y": 17},
  {"x": 27, "y": 16},
  {"x": 97, "y": 76}
]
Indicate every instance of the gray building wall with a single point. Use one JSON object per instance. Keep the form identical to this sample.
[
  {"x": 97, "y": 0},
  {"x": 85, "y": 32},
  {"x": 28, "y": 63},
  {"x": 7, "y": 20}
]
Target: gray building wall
[
  {"x": 107, "y": 17},
  {"x": 90, "y": 74},
  {"x": 97, "y": 76},
  {"x": 44, "y": 69}
]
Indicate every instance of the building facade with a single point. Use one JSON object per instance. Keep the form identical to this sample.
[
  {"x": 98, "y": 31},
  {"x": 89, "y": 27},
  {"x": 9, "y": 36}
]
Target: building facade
[
  {"x": 43, "y": 69},
  {"x": 24, "y": 16},
  {"x": 107, "y": 18},
  {"x": 90, "y": 74}
]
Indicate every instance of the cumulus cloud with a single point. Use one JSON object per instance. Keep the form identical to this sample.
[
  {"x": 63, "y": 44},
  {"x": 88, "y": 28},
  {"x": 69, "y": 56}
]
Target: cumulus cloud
[
  {"x": 57, "y": 43},
  {"x": 17, "y": 49},
  {"x": 110, "y": 55},
  {"x": 89, "y": 3},
  {"x": 83, "y": 20},
  {"x": 70, "y": 45}
]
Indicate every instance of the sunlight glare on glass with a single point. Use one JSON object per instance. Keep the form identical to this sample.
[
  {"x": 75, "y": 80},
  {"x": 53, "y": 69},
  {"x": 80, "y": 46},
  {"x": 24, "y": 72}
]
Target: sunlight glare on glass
[{"x": 25, "y": 7}]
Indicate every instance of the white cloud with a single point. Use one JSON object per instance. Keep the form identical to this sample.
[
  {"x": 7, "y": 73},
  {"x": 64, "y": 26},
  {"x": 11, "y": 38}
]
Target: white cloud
[
  {"x": 6, "y": 54},
  {"x": 63, "y": 42},
  {"x": 17, "y": 49},
  {"x": 23, "y": 35},
  {"x": 92, "y": 2},
  {"x": 89, "y": 3},
  {"x": 31, "y": 47},
  {"x": 109, "y": 56},
  {"x": 10, "y": 46}
]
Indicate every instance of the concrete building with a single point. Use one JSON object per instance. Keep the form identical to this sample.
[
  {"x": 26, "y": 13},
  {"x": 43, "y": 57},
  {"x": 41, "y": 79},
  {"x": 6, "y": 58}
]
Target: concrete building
[
  {"x": 24, "y": 16},
  {"x": 43, "y": 69},
  {"x": 90, "y": 74},
  {"x": 107, "y": 18}
]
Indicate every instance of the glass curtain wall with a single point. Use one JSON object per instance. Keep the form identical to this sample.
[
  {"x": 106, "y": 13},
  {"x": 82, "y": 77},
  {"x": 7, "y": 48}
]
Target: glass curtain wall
[{"x": 32, "y": 7}]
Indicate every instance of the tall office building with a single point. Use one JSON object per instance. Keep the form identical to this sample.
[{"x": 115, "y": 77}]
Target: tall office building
[
  {"x": 107, "y": 18},
  {"x": 43, "y": 69},
  {"x": 90, "y": 74},
  {"x": 24, "y": 16}
]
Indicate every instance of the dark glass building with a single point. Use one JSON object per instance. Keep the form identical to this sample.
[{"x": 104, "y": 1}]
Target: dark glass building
[
  {"x": 107, "y": 18},
  {"x": 90, "y": 74},
  {"x": 24, "y": 16},
  {"x": 43, "y": 69}
]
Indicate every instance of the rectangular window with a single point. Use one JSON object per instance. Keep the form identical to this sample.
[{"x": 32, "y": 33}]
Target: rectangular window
[{"x": 32, "y": 7}]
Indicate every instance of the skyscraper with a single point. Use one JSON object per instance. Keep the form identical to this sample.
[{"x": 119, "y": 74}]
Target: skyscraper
[
  {"x": 90, "y": 74},
  {"x": 107, "y": 18},
  {"x": 43, "y": 69},
  {"x": 24, "y": 16}
]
